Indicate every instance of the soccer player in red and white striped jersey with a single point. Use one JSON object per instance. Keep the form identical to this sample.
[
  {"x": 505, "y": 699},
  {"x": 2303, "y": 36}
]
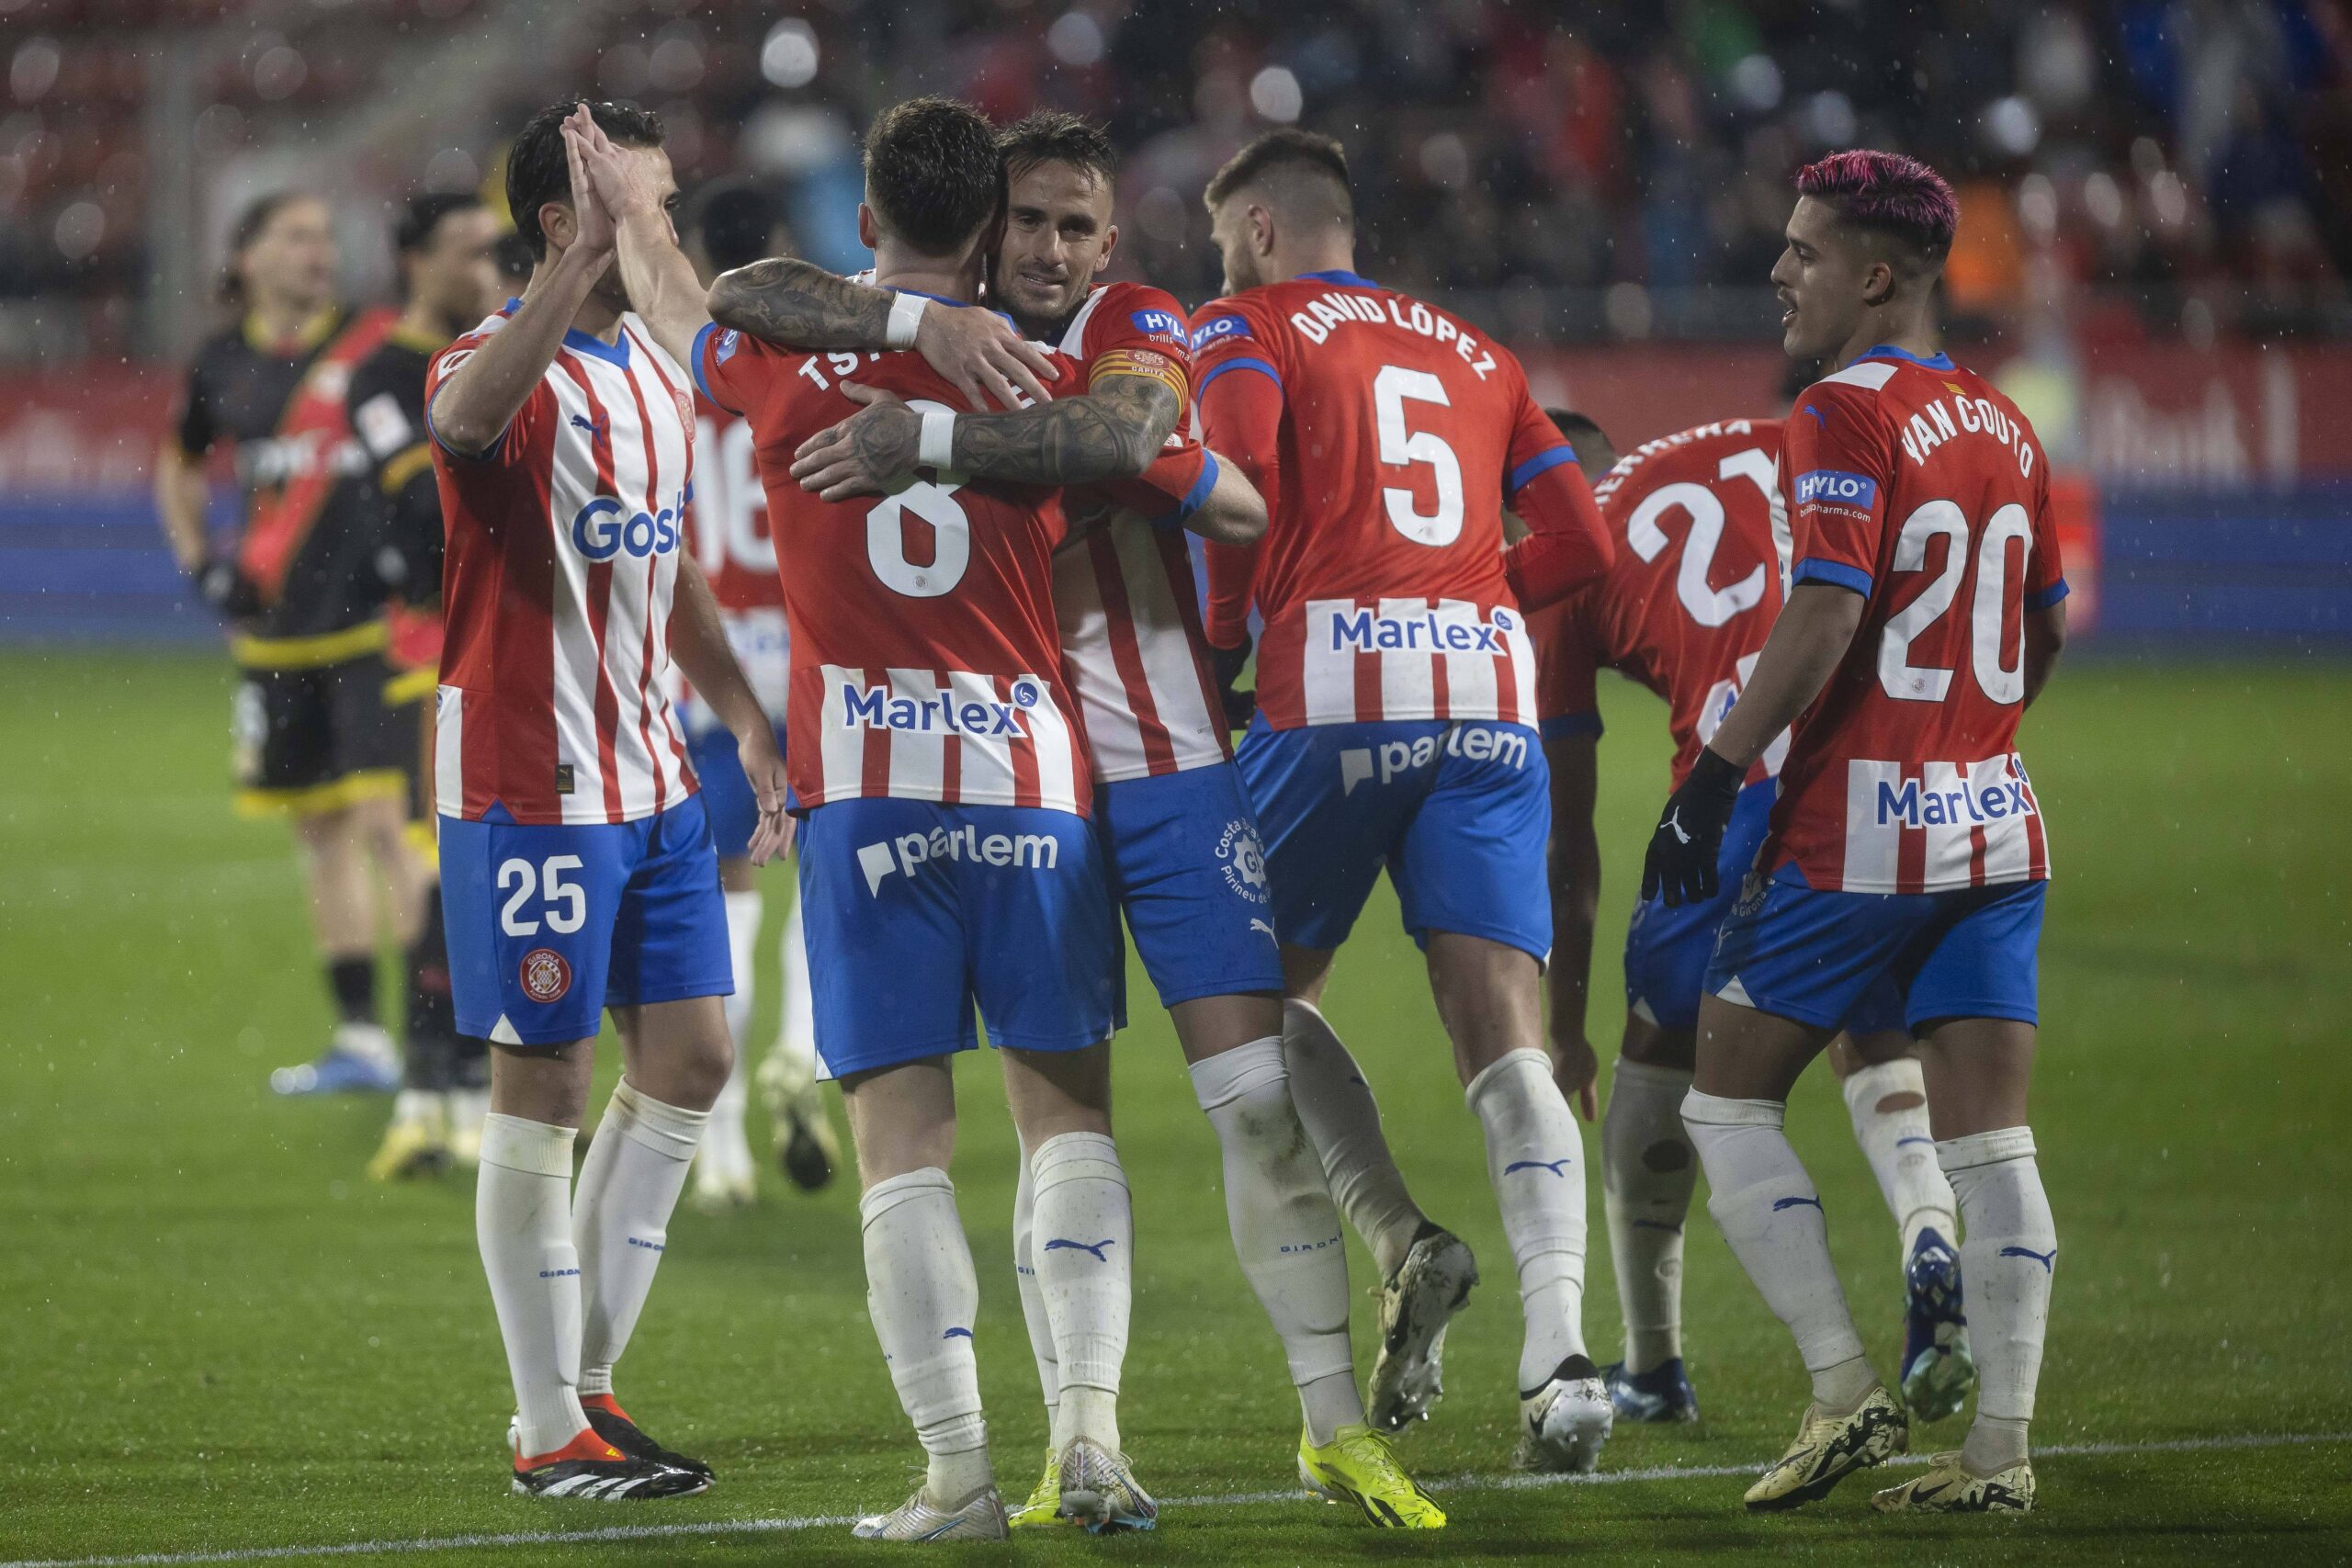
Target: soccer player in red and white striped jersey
[
  {"x": 577, "y": 867},
  {"x": 1396, "y": 728},
  {"x": 1702, "y": 548},
  {"x": 946, "y": 860},
  {"x": 1926, "y": 611},
  {"x": 1178, "y": 837}
]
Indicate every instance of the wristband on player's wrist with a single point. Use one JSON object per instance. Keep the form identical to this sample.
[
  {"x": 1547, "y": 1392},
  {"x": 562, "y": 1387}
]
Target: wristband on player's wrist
[
  {"x": 936, "y": 447},
  {"x": 1712, "y": 774},
  {"x": 906, "y": 320}
]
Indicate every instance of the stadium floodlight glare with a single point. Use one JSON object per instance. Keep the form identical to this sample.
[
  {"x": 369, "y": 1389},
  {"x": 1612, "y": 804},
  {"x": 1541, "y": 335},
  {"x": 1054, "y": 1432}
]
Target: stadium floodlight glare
[{"x": 789, "y": 56}]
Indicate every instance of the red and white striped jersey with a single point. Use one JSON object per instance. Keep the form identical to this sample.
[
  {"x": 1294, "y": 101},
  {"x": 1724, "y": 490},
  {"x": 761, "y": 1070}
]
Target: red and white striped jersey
[
  {"x": 1916, "y": 484},
  {"x": 556, "y": 590},
  {"x": 727, "y": 527},
  {"x": 1701, "y": 539},
  {"x": 925, "y": 664},
  {"x": 1129, "y": 610},
  {"x": 1386, "y": 437}
]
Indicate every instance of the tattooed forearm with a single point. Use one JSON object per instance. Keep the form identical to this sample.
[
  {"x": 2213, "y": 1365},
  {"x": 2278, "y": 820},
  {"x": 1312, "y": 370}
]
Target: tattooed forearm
[
  {"x": 797, "y": 304},
  {"x": 1113, "y": 432}
]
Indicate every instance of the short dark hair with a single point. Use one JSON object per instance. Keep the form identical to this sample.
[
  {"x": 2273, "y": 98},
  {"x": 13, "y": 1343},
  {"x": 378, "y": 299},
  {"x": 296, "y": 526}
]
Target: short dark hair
[
  {"x": 1299, "y": 160},
  {"x": 1888, "y": 194},
  {"x": 538, "y": 172},
  {"x": 249, "y": 226},
  {"x": 932, "y": 176},
  {"x": 1053, "y": 136},
  {"x": 1577, "y": 426},
  {"x": 736, "y": 221},
  {"x": 422, "y": 215}
]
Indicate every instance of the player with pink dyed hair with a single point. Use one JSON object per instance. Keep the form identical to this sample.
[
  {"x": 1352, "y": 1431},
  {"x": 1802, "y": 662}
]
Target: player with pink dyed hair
[{"x": 1899, "y": 882}]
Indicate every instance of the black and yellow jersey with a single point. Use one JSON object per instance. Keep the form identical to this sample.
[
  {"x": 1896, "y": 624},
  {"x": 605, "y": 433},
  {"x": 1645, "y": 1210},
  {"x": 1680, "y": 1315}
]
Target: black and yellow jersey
[{"x": 312, "y": 534}]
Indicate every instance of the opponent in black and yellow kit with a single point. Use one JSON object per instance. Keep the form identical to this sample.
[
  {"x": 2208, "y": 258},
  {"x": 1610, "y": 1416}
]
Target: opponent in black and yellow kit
[
  {"x": 302, "y": 583},
  {"x": 305, "y": 585},
  {"x": 444, "y": 244}
]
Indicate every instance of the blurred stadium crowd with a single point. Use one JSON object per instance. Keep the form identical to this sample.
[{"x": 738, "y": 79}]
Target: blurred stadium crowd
[{"x": 1593, "y": 171}]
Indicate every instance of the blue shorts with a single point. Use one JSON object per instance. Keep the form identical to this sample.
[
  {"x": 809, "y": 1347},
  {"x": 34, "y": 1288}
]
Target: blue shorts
[
  {"x": 1458, "y": 811},
  {"x": 917, "y": 912},
  {"x": 1667, "y": 948},
  {"x": 1186, "y": 865},
  {"x": 1829, "y": 958},
  {"x": 549, "y": 925},
  {"x": 726, "y": 794}
]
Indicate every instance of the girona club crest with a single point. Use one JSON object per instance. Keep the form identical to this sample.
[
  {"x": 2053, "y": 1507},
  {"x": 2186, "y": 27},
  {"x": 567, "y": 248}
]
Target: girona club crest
[{"x": 546, "y": 976}]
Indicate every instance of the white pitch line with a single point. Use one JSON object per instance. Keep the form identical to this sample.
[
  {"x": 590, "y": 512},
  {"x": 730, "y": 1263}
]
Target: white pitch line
[{"x": 1221, "y": 1500}]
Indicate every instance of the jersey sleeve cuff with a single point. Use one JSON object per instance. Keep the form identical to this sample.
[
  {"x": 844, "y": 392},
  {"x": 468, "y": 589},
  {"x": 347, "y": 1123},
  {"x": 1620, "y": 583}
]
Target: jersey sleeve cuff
[
  {"x": 1257, "y": 365},
  {"x": 2043, "y": 598},
  {"x": 696, "y": 361},
  {"x": 1838, "y": 574},
  {"x": 1194, "y": 498},
  {"x": 484, "y": 455},
  {"x": 1543, "y": 462},
  {"x": 1565, "y": 726}
]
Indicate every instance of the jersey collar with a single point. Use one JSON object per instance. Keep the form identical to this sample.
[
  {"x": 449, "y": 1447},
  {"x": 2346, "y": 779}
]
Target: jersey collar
[
  {"x": 1888, "y": 351},
  {"x": 307, "y": 336},
  {"x": 595, "y": 347},
  {"x": 1341, "y": 274}
]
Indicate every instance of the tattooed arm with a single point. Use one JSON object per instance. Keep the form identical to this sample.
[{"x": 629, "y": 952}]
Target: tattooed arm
[
  {"x": 797, "y": 304},
  {"x": 1111, "y": 433}
]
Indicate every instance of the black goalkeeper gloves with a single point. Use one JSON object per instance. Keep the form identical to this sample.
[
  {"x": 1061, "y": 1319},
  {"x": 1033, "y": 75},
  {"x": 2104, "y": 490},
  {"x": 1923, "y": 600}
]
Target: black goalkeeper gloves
[
  {"x": 1226, "y": 664},
  {"x": 221, "y": 584},
  {"x": 1689, "y": 836}
]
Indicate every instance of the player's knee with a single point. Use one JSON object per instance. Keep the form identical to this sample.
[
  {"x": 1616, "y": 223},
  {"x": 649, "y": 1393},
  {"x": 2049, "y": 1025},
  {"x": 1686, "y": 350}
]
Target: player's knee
[
  {"x": 1654, "y": 1047},
  {"x": 324, "y": 833},
  {"x": 1246, "y": 1092},
  {"x": 700, "y": 1068}
]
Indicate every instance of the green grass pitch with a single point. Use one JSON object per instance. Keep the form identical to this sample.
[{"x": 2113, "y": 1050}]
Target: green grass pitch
[{"x": 217, "y": 1337}]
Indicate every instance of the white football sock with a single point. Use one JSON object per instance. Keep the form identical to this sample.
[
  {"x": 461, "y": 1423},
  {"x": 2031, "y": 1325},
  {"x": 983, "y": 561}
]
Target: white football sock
[
  {"x": 2006, "y": 1266},
  {"x": 629, "y": 1186},
  {"x": 1083, "y": 1244},
  {"x": 723, "y": 1155},
  {"x": 1536, "y": 1160},
  {"x": 1335, "y": 1107},
  {"x": 922, "y": 1296},
  {"x": 523, "y": 1221},
  {"x": 742, "y": 943},
  {"x": 796, "y": 1037},
  {"x": 1033, "y": 1294},
  {"x": 1286, "y": 1229},
  {"x": 1770, "y": 1213},
  {"x": 1902, "y": 1155},
  {"x": 1648, "y": 1172}
]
